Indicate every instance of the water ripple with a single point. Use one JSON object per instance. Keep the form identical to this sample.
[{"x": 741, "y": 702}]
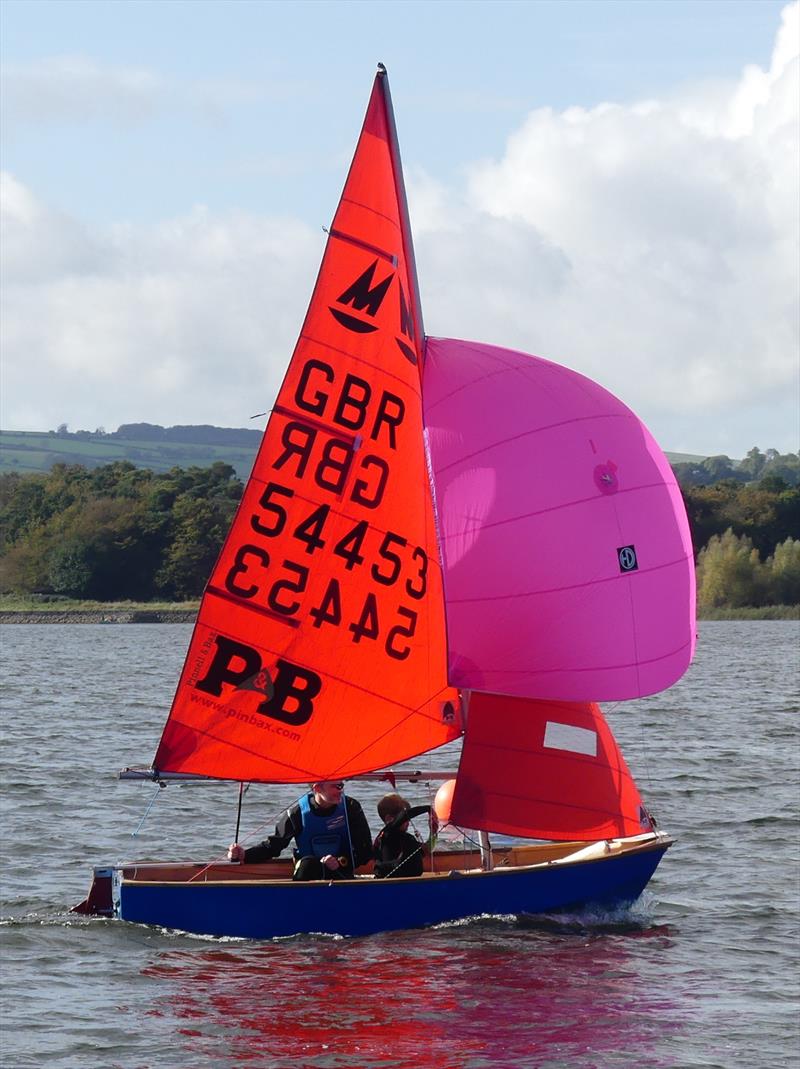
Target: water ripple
[{"x": 702, "y": 972}]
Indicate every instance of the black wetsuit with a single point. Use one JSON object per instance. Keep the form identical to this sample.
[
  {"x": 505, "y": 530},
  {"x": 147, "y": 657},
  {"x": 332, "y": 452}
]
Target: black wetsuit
[
  {"x": 398, "y": 853},
  {"x": 290, "y": 826}
]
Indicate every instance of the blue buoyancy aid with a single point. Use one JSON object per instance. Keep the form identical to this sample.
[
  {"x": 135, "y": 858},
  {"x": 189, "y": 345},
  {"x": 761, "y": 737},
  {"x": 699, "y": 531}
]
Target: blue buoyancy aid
[{"x": 322, "y": 835}]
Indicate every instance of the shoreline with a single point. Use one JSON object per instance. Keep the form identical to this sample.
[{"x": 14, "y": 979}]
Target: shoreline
[
  {"x": 120, "y": 615},
  {"x": 98, "y": 616}
]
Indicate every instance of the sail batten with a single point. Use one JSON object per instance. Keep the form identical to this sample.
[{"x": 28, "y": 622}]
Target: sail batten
[
  {"x": 360, "y": 244},
  {"x": 356, "y": 359},
  {"x": 215, "y": 592}
]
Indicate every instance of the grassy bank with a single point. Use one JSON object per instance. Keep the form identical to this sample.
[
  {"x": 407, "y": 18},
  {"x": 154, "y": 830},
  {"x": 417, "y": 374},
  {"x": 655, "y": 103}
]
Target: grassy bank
[
  {"x": 12, "y": 603},
  {"x": 752, "y": 612}
]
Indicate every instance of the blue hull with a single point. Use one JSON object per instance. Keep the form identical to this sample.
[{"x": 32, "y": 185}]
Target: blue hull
[{"x": 262, "y": 910}]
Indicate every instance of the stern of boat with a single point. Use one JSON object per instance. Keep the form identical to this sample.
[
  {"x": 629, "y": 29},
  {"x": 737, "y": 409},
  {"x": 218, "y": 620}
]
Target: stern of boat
[{"x": 99, "y": 901}]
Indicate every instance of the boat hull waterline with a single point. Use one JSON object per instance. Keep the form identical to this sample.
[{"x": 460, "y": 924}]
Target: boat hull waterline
[{"x": 602, "y": 876}]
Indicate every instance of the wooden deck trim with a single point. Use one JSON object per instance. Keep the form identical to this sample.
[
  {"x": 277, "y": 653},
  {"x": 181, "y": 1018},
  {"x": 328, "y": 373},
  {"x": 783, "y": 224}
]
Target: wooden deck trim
[{"x": 446, "y": 865}]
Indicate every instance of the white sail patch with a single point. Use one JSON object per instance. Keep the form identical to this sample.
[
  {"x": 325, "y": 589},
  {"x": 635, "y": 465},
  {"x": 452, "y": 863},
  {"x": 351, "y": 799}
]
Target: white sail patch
[{"x": 568, "y": 737}]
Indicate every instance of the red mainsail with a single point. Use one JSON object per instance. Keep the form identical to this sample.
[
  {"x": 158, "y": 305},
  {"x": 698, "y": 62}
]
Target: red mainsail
[
  {"x": 319, "y": 649},
  {"x": 544, "y": 770}
]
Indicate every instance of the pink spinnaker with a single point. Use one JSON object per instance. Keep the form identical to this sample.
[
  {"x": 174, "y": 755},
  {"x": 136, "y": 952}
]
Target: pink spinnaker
[{"x": 568, "y": 566}]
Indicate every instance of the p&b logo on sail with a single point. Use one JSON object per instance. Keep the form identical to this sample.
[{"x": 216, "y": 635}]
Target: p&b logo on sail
[
  {"x": 362, "y": 296},
  {"x": 288, "y": 694}
]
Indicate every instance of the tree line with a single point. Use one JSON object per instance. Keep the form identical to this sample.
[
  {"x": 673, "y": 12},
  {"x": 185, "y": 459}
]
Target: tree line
[
  {"x": 120, "y": 532},
  {"x": 115, "y": 532},
  {"x": 756, "y": 466},
  {"x": 195, "y": 433}
]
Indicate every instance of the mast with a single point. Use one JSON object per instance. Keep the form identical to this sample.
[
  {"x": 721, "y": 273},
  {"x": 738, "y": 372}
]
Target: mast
[{"x": 402, "y": 201}]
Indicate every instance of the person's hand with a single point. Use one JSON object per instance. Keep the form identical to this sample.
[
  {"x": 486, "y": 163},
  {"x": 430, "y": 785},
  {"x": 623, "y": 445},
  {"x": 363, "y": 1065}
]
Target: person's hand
[
  {"x": 331, "y": 862},
  {"x": 236, "y": 852}
]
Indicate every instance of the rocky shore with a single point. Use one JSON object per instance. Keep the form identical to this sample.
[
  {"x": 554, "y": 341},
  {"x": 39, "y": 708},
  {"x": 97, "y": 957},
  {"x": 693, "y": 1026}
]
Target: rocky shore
[{"x": 102, "y": 616}]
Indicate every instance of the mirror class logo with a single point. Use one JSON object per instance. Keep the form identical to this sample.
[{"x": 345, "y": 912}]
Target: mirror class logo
[{"x": 365, "y": 296}]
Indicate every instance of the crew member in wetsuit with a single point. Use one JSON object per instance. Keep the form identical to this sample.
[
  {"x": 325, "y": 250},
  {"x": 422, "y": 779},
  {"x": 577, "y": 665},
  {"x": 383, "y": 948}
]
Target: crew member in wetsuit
[
  {"x": 396, "y": 851},
  {"x": 331, "y": 834}
]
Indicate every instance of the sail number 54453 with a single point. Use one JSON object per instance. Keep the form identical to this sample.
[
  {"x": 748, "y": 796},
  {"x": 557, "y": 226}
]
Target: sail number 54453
[
  {"x": 387, "y": 566},
  {"x": 388, "y": 557}
]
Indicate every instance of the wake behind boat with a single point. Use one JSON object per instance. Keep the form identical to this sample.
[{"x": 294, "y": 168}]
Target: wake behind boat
[{"x": 439, "y": 540}]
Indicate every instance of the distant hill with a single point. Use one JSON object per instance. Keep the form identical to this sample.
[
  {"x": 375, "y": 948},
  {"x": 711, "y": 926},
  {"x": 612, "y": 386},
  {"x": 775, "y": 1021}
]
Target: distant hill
[
  {"x": 684, "y": 458},
  {"x": 148, "y": 445}
]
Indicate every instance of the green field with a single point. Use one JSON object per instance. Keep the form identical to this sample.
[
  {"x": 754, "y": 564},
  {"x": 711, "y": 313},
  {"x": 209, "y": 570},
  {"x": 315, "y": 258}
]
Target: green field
[
  {"x": 31, "y": 451},
  {"x": 56, "y": 604},
  {"x": 684, "y": 458}
]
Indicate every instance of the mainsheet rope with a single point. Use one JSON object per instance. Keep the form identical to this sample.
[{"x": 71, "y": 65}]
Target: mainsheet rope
[{"x": 265, "y": 824}]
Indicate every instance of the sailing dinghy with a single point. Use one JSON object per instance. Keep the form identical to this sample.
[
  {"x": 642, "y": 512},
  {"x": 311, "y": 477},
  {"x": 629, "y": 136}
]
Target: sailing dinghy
[{"x": 439, "y": 540}]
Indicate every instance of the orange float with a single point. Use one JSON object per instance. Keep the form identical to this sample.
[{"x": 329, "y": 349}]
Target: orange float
[{"x": 444, "y": 800}]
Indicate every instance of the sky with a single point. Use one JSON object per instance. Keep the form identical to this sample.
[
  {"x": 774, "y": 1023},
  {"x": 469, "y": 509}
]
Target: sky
[{"x": 610, "y": 184}]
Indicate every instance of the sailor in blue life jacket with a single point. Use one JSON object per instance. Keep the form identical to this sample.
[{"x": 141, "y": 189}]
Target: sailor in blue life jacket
[{"x": 331, "y": 834}]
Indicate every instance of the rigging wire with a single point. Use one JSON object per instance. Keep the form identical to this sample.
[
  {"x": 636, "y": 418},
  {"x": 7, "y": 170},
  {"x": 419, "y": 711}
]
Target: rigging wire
[
  {"x": 434, "y": 838},
  {"x": 645, "y": 752},
  {"x": 645, "y": 758},
  {"x": 150, "y": 805},
  {"x": 242, "y": 790},
  {"x": 264, "y": 824},
  {"x": 347, "y": 825},
  {"x": 646, "y": 773}
]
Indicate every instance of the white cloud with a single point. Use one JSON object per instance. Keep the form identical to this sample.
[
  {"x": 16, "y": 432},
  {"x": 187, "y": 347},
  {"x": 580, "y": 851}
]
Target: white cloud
[
  {"x": 40, "y": 244},
  {"x": 191, "y": 320},
  {"x": 653, "y": 247}
]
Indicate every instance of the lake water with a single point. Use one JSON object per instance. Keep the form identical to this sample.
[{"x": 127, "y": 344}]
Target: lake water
[{"x": 702, "y": 972}]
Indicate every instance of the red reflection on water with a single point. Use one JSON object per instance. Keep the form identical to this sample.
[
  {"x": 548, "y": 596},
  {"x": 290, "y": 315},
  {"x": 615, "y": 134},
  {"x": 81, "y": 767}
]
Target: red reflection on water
[{"x": 480, "y": 995}]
